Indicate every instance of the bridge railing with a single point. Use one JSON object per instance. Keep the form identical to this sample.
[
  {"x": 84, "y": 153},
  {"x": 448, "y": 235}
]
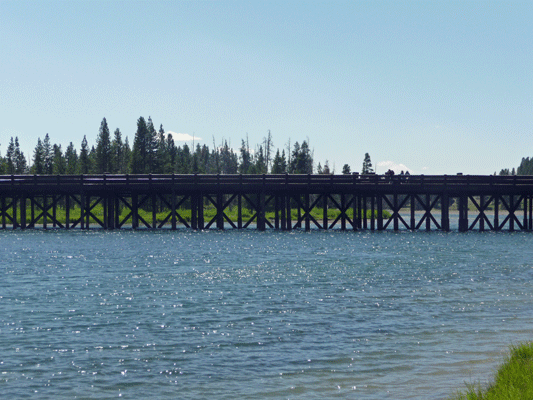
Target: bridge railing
[{"x": 315, "y": 181}]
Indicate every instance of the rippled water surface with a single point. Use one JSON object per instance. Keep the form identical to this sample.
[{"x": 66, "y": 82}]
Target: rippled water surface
[{"x": 255, "y": 315}]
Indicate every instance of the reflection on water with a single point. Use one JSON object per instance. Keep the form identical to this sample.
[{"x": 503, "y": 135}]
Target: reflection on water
[{"x": 258, "y": 315}]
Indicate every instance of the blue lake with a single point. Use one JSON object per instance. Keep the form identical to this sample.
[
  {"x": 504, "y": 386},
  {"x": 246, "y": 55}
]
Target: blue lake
[{"x": 258, "y": 315}]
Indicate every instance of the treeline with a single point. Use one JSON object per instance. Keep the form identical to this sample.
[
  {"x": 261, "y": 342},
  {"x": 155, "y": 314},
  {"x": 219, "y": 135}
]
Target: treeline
[
  {"x": 525, "y": 168},
  {"x": 154, "y": 151}
]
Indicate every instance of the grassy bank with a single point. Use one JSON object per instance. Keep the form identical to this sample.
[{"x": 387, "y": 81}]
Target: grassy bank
[
  {"x": 209, "y": 213},
  {"x": 513, "y": 380}
]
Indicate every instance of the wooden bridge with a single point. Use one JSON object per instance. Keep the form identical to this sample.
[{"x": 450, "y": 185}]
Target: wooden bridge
[{"x": 356, "y": 202}]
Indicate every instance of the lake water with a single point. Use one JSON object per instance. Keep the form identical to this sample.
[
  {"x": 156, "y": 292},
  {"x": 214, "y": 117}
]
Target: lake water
[{"x": 258, "y": 315}]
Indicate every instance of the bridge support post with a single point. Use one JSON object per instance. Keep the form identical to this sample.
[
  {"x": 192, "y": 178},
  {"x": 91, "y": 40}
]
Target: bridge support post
[
  {"x": 173, "y": 211},
  {"x": 67, "y": 211},
  {"x": 496, "y": 213},
  {"x": 239, "y": 210},
  {"x": 530, "y": 222},
  {"x": 463, "y": 213},
  {"x": 261, "y": 212},
  {"x": 220, "y": 211},
  {"x": 413, "y": 212},
  {"x": 524, "y": 206},
  {"x": 355, "y": 208},
  {"x": 110, "y": 205},
  {"x": 276, "y": 212},
  {"x": 194, "y": 211},
  {"x": 154, "y": 210},
  {"x": 117, "y": 212},
  {"x": 134, "y": 211},
  {"x": 282, "y": 209},
  {"x": 380, "y": 212},
  {"x": 325, "y": 222},
  {"x": 87, "y": 211},
  {"x": 45, "y": 212},
  {"x": 23, "y": 211},
  {"x": 428, "y": 205},
  {"x": 373, "y": 212},
  {"x": 289, "y": 213},
  {"x": 200, "y": 205},
  {"x": 445, "y": 212},
  {"x": 359, "y": 201},
  {"x": 482, "y": 212},
  {"x": 307, "y": 212},
  {"x": 396, "y": 212}
]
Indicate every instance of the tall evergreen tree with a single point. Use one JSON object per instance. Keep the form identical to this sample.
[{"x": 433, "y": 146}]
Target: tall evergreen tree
[
  {"x": 161, "y": 152},
  {"x": 103, "y": 150},
  {"x": 59, "y": 164},
  {"x": 367, "y": 165},
  {"x": 141, "y": 148},
  {"x": 38, "y": 158},
  {"x": 172, "y": 155},
  {"x": 301, "y": 159},
  {"x": 21, "y": 166},
  {"x": 152, "y": 147},
  {"x": 127, "y": 157},
  {"x": 48, "y": 155},
  {"x": 117, "y": 153},
  {"x": 260, "y": 166},
  {"x": 71, "y": 159},
  {"x": 184, "y": 163},
  {"x": 84, "y": 163},
  {"x": 279, "y": 164},
  {"x": 246, "y": 158},
  {"x": 229, "y": 162},
  {"x": 10, "y": 157}
]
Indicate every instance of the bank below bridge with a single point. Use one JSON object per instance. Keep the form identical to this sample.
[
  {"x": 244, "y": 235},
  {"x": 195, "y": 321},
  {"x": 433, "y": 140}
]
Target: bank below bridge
[{"x": 284, "y": 202}]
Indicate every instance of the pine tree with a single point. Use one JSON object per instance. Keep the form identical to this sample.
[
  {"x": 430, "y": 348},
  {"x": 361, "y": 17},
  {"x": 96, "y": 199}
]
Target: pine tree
[
  {"x": 38, "y": 158},
  {"x": 139, "y": 154},
  {"x": 172, "y": 155},
  {"x": 346, "y": 170},
  {"x": 21, "y": 166},
  {"x": 127, "y": 157},
  {"x": 367, "y": 165},
  {"x": 260, "y": 166},
  {"x": 59, "y": 164},
  {"x": 84, "y": 164},
  {"x": 71, "y": 159},
  {"x": 117, "y": 153},
  {"x": 246, "y": 158},
  {"x": 103, "y": 150},
  {"x": 161, "y": 153},
  {"x": 10, "y": 157},
  {"x": 279, "y": 164},
  {"x": 152, "y": 160},
  {"x": 48, "y": 155},
  {"x": 301, "y": 159}
]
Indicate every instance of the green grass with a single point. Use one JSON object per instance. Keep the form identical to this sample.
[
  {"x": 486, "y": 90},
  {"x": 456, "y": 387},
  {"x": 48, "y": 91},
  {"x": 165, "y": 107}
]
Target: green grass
[
  {"x": 209, "y": 213},
  {"x": 513, "y": 380}
]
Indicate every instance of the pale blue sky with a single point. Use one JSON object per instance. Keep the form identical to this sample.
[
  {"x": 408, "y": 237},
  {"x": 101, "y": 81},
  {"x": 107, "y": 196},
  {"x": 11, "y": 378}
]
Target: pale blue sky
[{"x": 438, "y": 86}]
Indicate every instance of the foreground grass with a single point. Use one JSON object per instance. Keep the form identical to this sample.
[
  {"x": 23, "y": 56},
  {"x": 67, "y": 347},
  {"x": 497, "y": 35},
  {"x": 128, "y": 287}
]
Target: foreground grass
[{"x": 514, "y": 379}]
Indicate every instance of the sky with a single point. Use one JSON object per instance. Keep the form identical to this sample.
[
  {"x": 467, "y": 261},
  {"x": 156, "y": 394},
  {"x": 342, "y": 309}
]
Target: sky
[{"x": 429, "y": 87}]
